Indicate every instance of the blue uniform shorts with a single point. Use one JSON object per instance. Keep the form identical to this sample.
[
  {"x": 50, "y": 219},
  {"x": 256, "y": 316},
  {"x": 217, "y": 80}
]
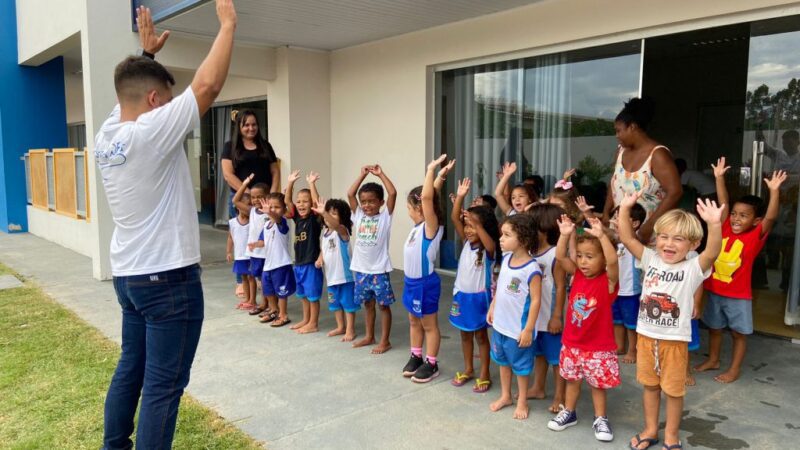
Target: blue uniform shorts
[
  {"x": 421, "y": 295},
  {"x": 256, "y": 266},
  {"x": 373, "y": 286},
  {"x": 341, "y": 297},
  {"x": 309, "y": 282},
  {"x": 507, "y": 352},
  {"x": 694, "y": 345},
  {"x": 724, "y": 312},
  {"x": 468, "y": 311},
  {"x": 626, "y": 310},
  {"x": 278, "y": 282},
  {"x": 241, "y": 267},
  {"x": 548, "y": 345}
]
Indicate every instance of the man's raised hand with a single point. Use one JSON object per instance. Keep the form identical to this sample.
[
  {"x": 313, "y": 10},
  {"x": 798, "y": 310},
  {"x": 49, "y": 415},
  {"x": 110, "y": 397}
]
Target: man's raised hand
[{"x": 148, "y": 39}]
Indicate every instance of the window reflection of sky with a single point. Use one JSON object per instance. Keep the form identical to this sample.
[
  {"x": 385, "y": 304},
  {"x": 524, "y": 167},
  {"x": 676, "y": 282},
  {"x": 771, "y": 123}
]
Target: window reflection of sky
[
  {"x": 774, "y": 60},
  {"x": 597, "y": 87}
]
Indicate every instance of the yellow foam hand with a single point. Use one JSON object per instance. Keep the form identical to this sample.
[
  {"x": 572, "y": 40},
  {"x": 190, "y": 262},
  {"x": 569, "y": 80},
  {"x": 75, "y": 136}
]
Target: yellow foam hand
[{"x": 728, "y": 262}]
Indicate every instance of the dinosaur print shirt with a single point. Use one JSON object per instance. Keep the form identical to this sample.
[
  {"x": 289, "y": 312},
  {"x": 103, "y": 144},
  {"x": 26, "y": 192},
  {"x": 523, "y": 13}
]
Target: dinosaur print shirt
[
  {"x": 589, "y": 324},
  {"x": 733, "y": 268},
  {"x": 667, "y": 301}
]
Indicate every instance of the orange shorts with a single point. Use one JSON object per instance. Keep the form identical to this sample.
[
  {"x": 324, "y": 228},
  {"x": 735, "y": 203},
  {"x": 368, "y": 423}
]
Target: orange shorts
[{"x": 667, "y": 370}]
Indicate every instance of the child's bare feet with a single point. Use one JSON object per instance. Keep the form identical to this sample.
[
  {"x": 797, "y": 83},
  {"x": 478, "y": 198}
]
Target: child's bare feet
[
  {"x": 729, "y": 376},
  {"x": 690, "y": 381},
  {"x": 309, "y": 328},
  {"x": 298, "y": 325},
  {"x": 521, "y": 412},
  {"x": 500, "y": 403},
  {"x": 535, "y": 393},
  {"x": 348, "y": 337},
  {"x": 369, "y": 340},
  {"x": 706, "y": 365},
  {"x": 629, "y": 358},
  {"x": 382, "y": 347},
  {"x": 335, "y": 332}
]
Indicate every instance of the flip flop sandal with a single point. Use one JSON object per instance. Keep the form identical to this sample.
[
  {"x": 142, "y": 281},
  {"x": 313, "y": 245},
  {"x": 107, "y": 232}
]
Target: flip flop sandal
[
  {"x": 479, "y": 386},
  {"x": 268, "y": 318},
  {"x": 267, "y": 312},
  {"x": 640, "y": 440},
  {"x": 256, "y": 311},
  {"x": 672, "y": 447},
  {"x": 460, "y": 379},
  {"x": 279, "y": 323}
]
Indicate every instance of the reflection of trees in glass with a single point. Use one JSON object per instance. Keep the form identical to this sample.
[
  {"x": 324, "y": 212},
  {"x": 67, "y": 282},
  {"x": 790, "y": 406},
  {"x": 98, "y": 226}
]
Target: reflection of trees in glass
[
  {"x": 589, "y": 171},
  {"x": 780, "y": 110},
  {"x": 496, "y": 116}
]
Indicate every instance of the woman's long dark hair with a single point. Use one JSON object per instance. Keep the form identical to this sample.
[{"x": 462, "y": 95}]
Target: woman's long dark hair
[{"x": 237, "y": 143}]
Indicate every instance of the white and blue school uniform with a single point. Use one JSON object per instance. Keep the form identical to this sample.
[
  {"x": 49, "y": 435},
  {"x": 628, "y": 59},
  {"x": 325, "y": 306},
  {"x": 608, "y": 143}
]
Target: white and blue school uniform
[
  {"x": 547, "y": 344},
  {"x": 512, "y": 303},
  {"x": 626, "y": 308},
  {"x": 336, "y": 261},
  {"x": 239, "y": 235},
  {"x": 278, "y": 277},
  {"x": 471, "y": 291},
  {"x": 254, "y": 229},
  {"x": 422, "y": 284}
]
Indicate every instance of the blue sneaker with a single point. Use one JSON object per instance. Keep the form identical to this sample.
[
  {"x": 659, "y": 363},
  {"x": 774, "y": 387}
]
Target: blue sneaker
[
  {"x": 602, "y": 429},
  {"x": 563, "y": 420}
]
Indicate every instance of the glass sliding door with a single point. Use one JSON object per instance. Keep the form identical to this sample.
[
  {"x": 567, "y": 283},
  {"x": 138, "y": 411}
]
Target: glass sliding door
[
  {"x": 770, "y": 142},
  {"x": 546, "y": 113}
]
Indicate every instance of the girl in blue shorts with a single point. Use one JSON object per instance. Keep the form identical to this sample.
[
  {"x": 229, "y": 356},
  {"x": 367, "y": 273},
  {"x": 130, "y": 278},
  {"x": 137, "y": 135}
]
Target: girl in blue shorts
[
  {"x": 479, "y": 230},
  {"x": 422, "y": 284}
]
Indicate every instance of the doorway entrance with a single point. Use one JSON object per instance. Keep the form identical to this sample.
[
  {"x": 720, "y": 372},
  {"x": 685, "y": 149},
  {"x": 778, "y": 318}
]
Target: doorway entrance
[
  {"x": 733, "y": 91},
  {"x": 216, "y": 129}
]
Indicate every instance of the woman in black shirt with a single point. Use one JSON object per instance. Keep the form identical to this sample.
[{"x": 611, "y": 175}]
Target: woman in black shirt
[{"x": 248, "y": 152}]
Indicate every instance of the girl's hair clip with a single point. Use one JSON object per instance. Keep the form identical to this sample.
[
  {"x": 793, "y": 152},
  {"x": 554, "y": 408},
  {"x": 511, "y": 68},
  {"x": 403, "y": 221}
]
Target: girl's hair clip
[
  {"x": 564, "y": 184},
  {"x": 416, "y": 196}
]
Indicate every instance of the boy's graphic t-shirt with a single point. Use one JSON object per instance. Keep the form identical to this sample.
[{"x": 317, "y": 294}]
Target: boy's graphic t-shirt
[
  {"x": 371, "y": 246},
  {"x": 733, "y": 269},
  {"x": 589, "y": 324},
  {"x": 306, "y": 238},
  {"x": 512, "y": 299},
  {"x": 665, "y": 308}
]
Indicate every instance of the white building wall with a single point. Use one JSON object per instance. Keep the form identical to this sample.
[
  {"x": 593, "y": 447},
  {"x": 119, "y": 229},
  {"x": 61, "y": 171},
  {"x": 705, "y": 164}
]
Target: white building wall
[
  {"x": 381, "y": 107},
  {"x": 46, "y": 28},
  {"x": 73, "y": 234}
]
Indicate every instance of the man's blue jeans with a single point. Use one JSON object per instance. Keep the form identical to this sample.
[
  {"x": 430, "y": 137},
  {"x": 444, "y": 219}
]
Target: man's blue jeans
[{"x": 162, "y": 315}]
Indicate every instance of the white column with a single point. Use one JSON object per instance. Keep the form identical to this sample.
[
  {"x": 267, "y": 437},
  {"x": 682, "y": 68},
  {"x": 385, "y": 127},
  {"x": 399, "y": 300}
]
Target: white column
[{"x": 106, "y": 39}]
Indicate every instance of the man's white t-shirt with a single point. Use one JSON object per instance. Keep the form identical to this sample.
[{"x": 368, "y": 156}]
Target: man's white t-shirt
[
  {"x": 149, "y": 188},
  {"x": 371, "y": 246},
  {"x": 667, "y": 301}
]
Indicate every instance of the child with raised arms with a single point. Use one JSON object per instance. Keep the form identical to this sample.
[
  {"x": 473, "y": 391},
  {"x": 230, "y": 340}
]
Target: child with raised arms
[
  {"x": 522, "y": 195},
  {"x": 588, "y": 348},
  {"x": 236, "y": 249},
  {"x": 422, "y": 286},
  {"x": 514, "y": 310},
  {"x": 307, "y": 229},
  {"x": 478, "y": 229},
  {"x": 666, "y": 308},
  {"x": 335, "y": 259},
  {"x": 547, "y": 345},
  {"x": 258, "y": 192},
  {"x": 371, "y": 265},
  {"x": 277, "y": 281}
]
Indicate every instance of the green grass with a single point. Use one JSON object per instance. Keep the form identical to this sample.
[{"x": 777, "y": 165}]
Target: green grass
[{"x": 54, "y": 373}]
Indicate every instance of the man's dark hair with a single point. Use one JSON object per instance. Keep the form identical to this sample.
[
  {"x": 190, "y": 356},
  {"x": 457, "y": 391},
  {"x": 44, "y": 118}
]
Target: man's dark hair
[
  {"x": 136, "y": 75},
  {"x": 375, "y": 188},
  {"x": 755, "y": 202}
]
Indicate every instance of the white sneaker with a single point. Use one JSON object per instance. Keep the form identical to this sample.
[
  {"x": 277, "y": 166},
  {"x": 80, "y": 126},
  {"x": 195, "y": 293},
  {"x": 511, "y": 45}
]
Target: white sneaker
[{"x": 602, "y": 429}]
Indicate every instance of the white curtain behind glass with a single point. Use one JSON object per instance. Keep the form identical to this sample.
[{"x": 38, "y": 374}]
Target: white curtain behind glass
[{"x": 222, "y": 133}]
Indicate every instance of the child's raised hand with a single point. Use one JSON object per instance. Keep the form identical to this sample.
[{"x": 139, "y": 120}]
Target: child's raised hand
[
  {"x": 509, "y": 168},
  {"x": 247, "y": 180},
  {"x": 264, "y": 205},
  {"x": 709, "y": 211},
  {"x": 446, "y": 169},
  {"x": 365, "y": 170},
  {"x": 720, "y": 168},
  {"x": 294, "y": 176},
  {"x": 463, "y": 187},
  {"x": 569, "y": 173},
  {"x": 312, "y": 177},
  {"x": 583, "y": 206},
  {"x": 774, "y": 183},
  {"x": 319, "y": 207},
  {"x": 630, "y": 199},
  {"x": 596, "y": 229},
  {"x": 437, "y": 162},
  {"x": 376, "y": 170},
  {"x": 565, "y": 225}
]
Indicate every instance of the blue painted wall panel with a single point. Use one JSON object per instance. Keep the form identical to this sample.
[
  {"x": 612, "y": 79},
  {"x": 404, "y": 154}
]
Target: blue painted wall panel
[{"x": 33, "y": 114}]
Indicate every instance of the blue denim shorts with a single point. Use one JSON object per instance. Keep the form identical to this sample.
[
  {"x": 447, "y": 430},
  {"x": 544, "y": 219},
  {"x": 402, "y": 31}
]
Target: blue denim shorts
[
  {"x": 724, "y": 312},
  {"x": 505, "y": 351}
]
